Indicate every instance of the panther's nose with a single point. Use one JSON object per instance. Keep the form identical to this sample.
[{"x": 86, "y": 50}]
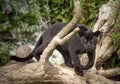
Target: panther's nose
[{"x": 88, "y": 44}]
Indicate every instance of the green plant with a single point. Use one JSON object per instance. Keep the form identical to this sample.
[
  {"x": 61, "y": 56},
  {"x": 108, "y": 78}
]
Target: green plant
[
  {"x": 116, "y": 42},
  {"x": 89, "y": 10},
  {"x": 18, "y": 21},
  {"x": 60, "y": 10},
  {"x": 4, "y": 53}
]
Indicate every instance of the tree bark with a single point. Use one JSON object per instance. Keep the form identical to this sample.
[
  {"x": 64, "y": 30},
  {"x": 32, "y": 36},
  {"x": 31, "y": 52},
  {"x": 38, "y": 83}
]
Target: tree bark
[{"x": 44, "y": 72}]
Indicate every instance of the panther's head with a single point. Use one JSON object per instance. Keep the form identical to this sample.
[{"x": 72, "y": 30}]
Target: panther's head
[{"x": 88, "y": 38}]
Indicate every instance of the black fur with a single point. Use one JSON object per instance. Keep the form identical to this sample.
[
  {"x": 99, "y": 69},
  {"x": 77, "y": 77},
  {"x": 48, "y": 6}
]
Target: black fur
[{"x": 84, "y": 42}]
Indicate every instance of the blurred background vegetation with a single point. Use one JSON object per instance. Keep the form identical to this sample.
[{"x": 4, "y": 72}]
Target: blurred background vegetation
[{"x": 21, "y": 19}]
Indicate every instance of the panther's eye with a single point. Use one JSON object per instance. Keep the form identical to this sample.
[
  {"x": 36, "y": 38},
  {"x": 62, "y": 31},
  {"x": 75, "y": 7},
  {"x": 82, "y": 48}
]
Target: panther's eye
[
  {"x": 92, "y": 40},
  {"x": 85, "y": 40}
]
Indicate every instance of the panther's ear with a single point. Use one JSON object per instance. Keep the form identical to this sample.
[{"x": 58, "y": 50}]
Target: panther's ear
[
  {"x": 97, "y": 33},
  {"x": 83, "y": 28}
]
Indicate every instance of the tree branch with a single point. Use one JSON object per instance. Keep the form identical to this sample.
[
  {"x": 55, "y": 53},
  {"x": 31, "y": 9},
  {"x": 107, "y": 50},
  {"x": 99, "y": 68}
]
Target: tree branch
[
  {"x": 110, "y": 72},
  {"x": 75, "y": 19},
  {"x": 105, "y": 23},
  {"x": 67, "y": 37},
  {"x": 52, "y": 45}
]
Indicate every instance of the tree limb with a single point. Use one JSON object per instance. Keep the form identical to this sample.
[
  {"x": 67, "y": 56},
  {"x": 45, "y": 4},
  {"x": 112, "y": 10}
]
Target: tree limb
[
  {"x": 75, "y": 19},
  {"x": 68, "y": 37},
  {"x": 110, "y": 72},
  {"x": 105, "y": 23},
  {"x": 52, "y": 45}
]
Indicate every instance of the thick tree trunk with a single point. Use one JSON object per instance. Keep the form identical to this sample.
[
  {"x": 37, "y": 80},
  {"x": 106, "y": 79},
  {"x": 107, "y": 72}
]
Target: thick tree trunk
[{"x": 45, "y": 73}]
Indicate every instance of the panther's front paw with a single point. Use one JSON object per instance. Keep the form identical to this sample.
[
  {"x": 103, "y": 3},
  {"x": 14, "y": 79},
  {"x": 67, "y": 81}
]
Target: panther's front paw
[{"x": 78, "y": 70}]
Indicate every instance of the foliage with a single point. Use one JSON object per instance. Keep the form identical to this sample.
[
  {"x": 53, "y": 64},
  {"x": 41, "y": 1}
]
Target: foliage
[
  {"x": 60, "y": 10},
  {"x": 90, "y": 8},
  {"x": 115, "y": 61},
  {"x": 19, "y": 19},
  {"x": 15, "y": 15},
  {"x": 4, "y": 53}
]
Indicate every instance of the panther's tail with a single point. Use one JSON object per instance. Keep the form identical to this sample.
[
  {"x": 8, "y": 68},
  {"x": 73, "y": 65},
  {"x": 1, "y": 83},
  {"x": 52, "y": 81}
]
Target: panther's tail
[
  {"x": 30, "y": 56},
  {"x": 15, "y": 58}
]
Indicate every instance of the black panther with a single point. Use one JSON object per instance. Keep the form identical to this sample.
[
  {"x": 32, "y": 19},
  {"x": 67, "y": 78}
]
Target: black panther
[{"x": 83, "y": 42}]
